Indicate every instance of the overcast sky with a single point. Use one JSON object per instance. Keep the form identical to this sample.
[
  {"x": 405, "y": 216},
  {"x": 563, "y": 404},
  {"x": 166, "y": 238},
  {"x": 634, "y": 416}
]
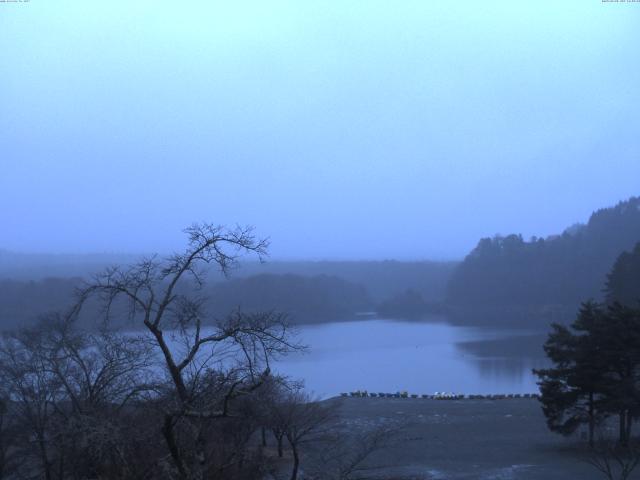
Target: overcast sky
[{"x": 362, "y": 130}]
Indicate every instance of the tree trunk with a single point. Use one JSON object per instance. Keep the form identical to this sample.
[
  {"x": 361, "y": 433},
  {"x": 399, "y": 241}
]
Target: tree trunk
[
  {"x": 629, "y": 423},
  {"x": 175, "y": 373},
  {"x": 296, "y": 461},
  {"x": 60, "y": 467},
  {"x": 263, "y": 431},
  {"x": 167, "y": 431},
  {"x": 200, "y": 456},
  {"x": 592, "y": 420},
  {"x": 279, "y": 438},
  {"x": 45, "y": 459},
  {"x": 622, "y": 429}
]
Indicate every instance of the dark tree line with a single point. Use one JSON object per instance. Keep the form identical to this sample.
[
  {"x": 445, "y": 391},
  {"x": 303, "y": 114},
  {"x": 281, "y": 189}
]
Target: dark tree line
[
  {"x": 623, "y": 283},
  {"x": 381, "y": 279},
  {"x": 22, "y": 302},
  {"x": 557, "y": 270},
  {"x": 596, "y": 372},
  {"x": 596, "y": 359},
  {"x": 408, "y": 305},
  {"x": 305, "y": 299}
]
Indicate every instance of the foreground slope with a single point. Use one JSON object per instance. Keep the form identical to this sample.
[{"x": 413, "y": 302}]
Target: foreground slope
[{"x": 468, "y": 439}]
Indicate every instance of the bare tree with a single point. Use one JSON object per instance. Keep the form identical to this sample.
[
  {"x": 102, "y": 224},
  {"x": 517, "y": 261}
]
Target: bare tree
[
  {"x": 9, "y": 461},
  {"x": 96, "y": 370},
  {"x": 208, "y": 367},
  {"x": 100, "y": 374},
  {"x": 348, "y": 455},
  {"x": 33, "y": 392},
  {"x": 94, "y": 403},
  {"x": 273, "y": 393},
  {"x": 613, "y": 460},
  {"x": 65, "y": 388},
  {"x": 300, "y": 419},
  {"x": 3, "y": 442}
]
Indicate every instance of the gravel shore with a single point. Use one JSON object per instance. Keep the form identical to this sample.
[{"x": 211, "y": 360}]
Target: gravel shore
[{"x": 468, "y": 439}]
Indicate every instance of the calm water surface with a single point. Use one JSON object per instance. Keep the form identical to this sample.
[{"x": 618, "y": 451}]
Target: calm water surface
[{"x": 420, "y": 357}]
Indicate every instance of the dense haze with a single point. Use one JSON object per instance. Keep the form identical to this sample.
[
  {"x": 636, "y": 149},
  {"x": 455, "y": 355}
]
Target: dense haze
[
  {"x": 359, "y": 131},
  {"x": 447, "y": 197}
]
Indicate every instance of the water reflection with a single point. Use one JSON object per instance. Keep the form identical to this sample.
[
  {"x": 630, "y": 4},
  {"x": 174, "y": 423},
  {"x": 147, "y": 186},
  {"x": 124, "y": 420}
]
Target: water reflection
[
  {"x": 512, "y": 356},
  {"x": 421, "y": 357},
  {"x": 518, "y": 370}
]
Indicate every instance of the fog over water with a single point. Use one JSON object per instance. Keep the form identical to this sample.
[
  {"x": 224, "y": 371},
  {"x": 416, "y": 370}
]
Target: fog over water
[{"x": 359, "y": 130}]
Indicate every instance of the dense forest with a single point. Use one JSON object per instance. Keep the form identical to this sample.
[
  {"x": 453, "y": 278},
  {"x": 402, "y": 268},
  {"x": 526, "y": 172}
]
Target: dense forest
[
  {"x": 307, "y": 291},
  {"x": 623, "y": 283},
  {"x": 383, "y": 279},
  {"x": 304, "y": 299},
  {"x": 560, "y": 270},
  {"x": 21, "y": 302}
]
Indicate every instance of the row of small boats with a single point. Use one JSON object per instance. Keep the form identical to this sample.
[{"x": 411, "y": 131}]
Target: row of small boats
[{"x": 438, "y": 395}]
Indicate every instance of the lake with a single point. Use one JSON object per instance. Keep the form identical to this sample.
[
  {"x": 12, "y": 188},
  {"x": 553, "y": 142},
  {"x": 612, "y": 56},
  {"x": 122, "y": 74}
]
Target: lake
[{"x": 420, "y": 357}]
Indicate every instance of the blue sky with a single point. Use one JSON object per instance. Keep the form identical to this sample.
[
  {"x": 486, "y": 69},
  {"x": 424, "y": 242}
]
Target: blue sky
[{"x": 362, "y": 130}]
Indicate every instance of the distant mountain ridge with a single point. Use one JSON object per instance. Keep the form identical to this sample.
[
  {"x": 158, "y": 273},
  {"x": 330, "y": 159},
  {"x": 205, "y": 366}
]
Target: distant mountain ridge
[
  {"x": 382, "y": 278},
  {"x": 558, "y": 270}
]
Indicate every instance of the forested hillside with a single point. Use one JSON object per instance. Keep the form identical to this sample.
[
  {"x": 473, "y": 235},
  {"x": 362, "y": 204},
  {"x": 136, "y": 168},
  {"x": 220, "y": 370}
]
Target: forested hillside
[
  {"x": 304, "y": 299},
  {"x": 558, "y": 270},
  {"x": 22, "y": 301},
  {"x": 623, "y": 283},
  {"x": 383, "y": 279}
]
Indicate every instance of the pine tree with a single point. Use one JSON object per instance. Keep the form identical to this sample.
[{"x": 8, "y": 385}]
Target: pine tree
[
  {"x": 623, "y": 283},
  {"x": 596, "y": 370},
  {"x": 570, "y": 389},
  {"x": 620, "y": 353}
]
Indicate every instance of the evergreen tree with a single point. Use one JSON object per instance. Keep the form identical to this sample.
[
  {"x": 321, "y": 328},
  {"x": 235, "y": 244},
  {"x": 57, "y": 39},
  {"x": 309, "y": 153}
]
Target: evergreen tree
[
  {"x": 623, "y": 283},
  {"x": 620, "y": 354},
  {"x": 570, "y": 389},
  {"x": 596, "y": 370}
]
